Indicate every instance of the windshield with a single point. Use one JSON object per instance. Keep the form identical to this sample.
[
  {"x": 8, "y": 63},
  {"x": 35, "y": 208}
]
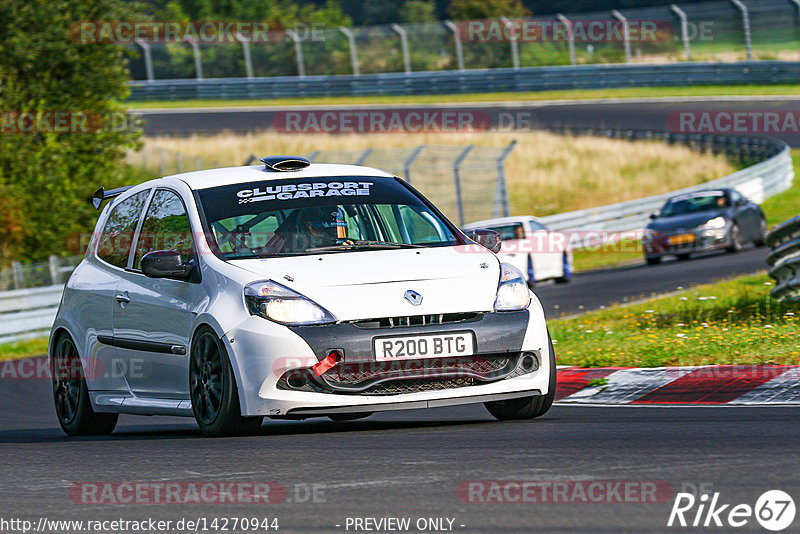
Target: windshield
[
  {"x": 319, "y": 215},
  {"x": 694, "y": 203}
]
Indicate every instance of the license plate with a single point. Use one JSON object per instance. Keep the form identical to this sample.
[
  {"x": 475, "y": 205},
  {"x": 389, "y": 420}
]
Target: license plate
[
  {"x": 682, "y": 239},
  {"x": 427, "y": 346}
]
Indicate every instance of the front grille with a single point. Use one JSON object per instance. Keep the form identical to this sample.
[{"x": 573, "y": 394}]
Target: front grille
[
  {"x": 405, "y": 376},
  {"x": 358, "y": 375},
  {"x": 396, "y": 387},
  {"x": 417, "y": 320}
]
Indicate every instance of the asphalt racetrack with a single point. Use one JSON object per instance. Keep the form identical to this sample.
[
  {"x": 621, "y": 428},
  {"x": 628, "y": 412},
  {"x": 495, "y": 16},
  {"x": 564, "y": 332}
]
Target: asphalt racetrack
[
  {"x": 412, "y": 464},
  {"x": 590, "y": 291},
  {"x": 654, "y": 114},
  {"x": 404, "y": 464}
]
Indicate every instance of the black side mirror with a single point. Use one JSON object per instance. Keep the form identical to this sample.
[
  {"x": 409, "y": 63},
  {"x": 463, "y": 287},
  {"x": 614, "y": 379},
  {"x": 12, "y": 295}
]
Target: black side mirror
[
  {"x": 653, "y": 216},
  {"x": 487, "y": 238},
  {"x": 741, "y": 203},
  {"x": 166, "y": 264}
]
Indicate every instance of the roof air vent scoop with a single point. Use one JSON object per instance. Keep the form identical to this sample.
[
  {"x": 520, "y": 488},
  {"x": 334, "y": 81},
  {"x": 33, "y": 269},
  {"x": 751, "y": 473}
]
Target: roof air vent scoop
[{"x": 285, "y": 163}]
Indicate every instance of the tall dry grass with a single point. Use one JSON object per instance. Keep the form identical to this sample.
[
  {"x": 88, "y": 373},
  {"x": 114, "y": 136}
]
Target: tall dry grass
[{"x": 546, "y": 173}]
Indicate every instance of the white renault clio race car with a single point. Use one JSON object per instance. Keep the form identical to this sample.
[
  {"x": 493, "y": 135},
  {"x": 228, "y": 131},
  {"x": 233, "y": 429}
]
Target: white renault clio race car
[{"x": 290, "y": 290}]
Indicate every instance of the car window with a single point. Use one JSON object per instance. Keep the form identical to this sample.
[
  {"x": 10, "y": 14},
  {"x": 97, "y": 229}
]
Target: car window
[
  {"x": 509, "y": 232},
  {"x": 536, "y": 227},
  {"x": 300, "y": 216},
  {"x": 115, "y": 241},
  {"x": 165, "y": 227},
  {"x": 695, "y": 203}
]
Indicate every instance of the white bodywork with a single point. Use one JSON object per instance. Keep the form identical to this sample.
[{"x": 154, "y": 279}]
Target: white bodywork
[
  {"x": 543, "y": 251},
  {"x": 352, "y": 286}
]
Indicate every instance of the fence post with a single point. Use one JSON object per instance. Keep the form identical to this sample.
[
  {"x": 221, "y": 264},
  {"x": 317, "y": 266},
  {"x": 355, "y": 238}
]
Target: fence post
[
  {"x": 457, "y": 181},
  {"x": 313, "y": 155},
  {"x": 570, "y": 36},
  {"x": 198, "y": 164},
  {"x": 198, "y": 64},
  {"x": 685, "y": 29},
  {"x": 364, "y": 156},
  {"x": 16, "y": 271},
  {"x": 797, "y": 3},
  {"x": 148, "y": 58},
  {"x": 162, "y": 162},
  {"x": 746, "y": 25},
  {"x": 298, "y": 52},
  {"x": 513, "y": 37},
  {"x": 501, "y": 198},
  {"x": 457, "y": 40},
  {"x": 351, "y": 39},
  {"x": 410, "y": 161},
  {"x": 404, "y": 46},
  {"x": 55, "y": 275},
  {"x": 248, "y": 61},
  {"x": 179, "y": 161},
  {"x": 626, "y": 34}
]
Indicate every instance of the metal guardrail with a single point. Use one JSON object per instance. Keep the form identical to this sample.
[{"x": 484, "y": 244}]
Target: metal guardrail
[
  {"x": 28, "y": 313},
  {"x": 771, "y": 174},
  {"x": 472, "y": 81},
  {"x": 784, "y": 240}
]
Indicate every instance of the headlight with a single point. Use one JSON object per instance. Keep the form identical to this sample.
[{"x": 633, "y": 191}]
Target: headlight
[
  {"x": 512, "y": 292},
  {"x": 282, "y": 305},
  {"x": 716, "y": 222}
]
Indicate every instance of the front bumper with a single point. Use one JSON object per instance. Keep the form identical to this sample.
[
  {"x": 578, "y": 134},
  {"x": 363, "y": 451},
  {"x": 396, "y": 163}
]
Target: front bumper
[
  {"x": 262, "y": 353},
  {"x": 705, "y": 240}
]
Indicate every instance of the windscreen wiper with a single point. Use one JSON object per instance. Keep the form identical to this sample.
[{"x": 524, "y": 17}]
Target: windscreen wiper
[{"x": 363, "y": 245}]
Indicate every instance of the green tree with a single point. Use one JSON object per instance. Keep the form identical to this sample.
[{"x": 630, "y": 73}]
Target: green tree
[
  {"x": 486, "y": 9},
  {"x": 418, "y": 11},
  {"x": 47, "y": 176}
]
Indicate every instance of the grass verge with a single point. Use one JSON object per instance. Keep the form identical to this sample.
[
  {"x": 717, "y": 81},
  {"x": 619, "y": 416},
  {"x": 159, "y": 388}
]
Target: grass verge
[
  {"x": 732, "y": 322},
  {"x": 24, "y": 348},
  {"x": 785, "y": 205},
  {"x": 574, "y": 94},
  {"x": 546, "y": 173}
]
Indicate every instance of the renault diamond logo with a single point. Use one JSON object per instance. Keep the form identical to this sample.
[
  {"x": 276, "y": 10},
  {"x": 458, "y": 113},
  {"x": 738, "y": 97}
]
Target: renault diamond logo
[{"x": 413, "y": 297}]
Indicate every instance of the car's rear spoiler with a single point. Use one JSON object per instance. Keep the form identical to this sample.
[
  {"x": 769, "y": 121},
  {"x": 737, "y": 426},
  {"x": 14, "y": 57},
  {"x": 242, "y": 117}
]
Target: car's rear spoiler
[{"x": 101, "y": 194}]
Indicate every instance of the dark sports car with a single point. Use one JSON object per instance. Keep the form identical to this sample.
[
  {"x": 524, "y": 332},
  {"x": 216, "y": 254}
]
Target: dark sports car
[{"x": 701, "y": 221}]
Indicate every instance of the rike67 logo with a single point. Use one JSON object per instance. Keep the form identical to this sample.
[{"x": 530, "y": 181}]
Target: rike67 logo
[{"x": 774, "y": 510}]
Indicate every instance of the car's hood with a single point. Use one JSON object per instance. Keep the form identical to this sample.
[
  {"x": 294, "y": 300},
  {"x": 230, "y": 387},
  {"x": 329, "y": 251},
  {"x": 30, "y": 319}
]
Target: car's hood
[
  {"x": 372, "y": 284},
  {"x": 688, "y": 221}
]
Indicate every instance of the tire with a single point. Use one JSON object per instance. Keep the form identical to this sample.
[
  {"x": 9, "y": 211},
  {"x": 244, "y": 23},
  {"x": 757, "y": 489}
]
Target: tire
[
  {"x": 213, "y": 391},
  {"x": 527, "y": 407},
  {"x": 71, "y": 394},
  {"x": 684, "y": 257},
  {"x": 338, "y": 417},
  {"x": 761, "y": 241},
  {"x": 735, "y": 239},
  {"x": 652, "y": 260}
]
